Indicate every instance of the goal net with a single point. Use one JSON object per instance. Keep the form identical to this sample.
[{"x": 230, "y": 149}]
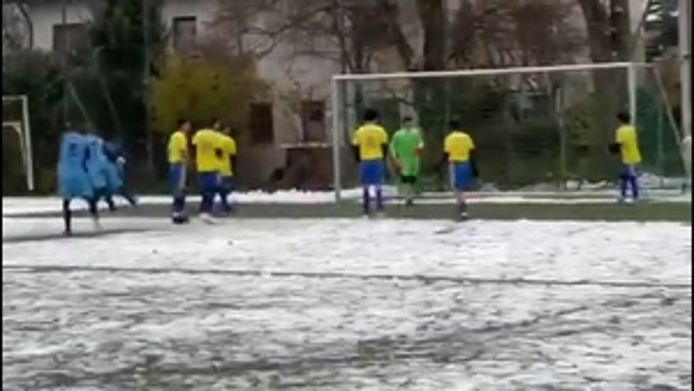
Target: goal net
[
  {"x": 535, "y": 128},
  {"x": 17, "y": 138}
]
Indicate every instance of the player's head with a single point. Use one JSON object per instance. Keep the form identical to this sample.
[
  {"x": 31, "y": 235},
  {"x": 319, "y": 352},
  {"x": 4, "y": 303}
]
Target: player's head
[
  {"x": 453, "y": 124},
  {"x": 226, "y": 129},
  {"x": 407, "y": 121},
  {"x": 370, "y": 115},
  {"x": 185, "y": 125},
  {"x": 624, "y": 117},
  {"x": 216, "y": 124}
]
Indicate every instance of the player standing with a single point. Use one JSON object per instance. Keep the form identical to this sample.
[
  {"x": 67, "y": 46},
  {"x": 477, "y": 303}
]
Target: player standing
[
  {"x": 73, "y": 178},
  {"x": 227, "y": 154},
  {"x": 178, "y": 166},
  {"x": 405, "y": 150},
  {"x": 459, "y": 152},
  {"x": 627, "y": 145},
  {"x": 207, "y": 145},
  {"x": 370, "y": 142},
  {"x": 97, "y": 168}
]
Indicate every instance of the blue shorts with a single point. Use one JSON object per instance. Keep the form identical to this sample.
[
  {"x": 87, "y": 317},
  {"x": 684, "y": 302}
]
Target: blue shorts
[
  {"x": 177, "y": 180},
  {"x": 372, "y": 172},
  {"x": 227, "y": 184},
  {"x": 461, "y": 175},
  {"x": 208, "y": 182},
  {"x": 628, "y": 171},
  {"x": 74, "y": 185}
]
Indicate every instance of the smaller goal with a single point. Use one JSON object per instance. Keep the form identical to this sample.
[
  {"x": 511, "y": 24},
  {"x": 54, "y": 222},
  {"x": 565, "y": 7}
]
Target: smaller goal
[{"x": 16, "y": 121}]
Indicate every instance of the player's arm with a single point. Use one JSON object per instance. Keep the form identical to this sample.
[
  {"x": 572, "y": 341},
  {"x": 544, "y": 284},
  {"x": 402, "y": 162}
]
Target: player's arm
[
  {"x": 615, "y": 146},
  {"x": 384, "y": 144}
]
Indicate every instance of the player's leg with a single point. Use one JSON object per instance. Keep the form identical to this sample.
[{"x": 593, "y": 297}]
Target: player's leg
[
  {"x": 125, "y": 193},
  {"x": 225, "y": 189},
  {"x": 365, "y": 186},
  {"x": 462, "y": 176},
  {"x": 93, "y": 204},
  {"x": 208, "y": 190},
  {"x": 177, "y": 183},
  {"x": 67, "y": 216},
  {"x": 380, "y": 173},
  {"x": 408, "y": 182},
  {"x": 623, "y": 182}
]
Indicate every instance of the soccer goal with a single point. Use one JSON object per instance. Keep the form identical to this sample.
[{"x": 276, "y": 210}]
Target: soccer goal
[
  {"x": 16, "y": 121},
  {"x": 535, "y": 128}
]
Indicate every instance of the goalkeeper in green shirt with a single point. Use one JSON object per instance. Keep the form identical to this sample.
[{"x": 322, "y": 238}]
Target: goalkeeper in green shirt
[{"x": 406, "y": 148}]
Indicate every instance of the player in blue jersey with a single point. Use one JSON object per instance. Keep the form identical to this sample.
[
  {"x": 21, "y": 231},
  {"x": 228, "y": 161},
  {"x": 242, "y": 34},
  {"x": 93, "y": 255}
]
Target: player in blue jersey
[
  {"x": 96, "y": 167},
  {"x": 115, "y": 174},
  {"x": 73, "y": 179}
]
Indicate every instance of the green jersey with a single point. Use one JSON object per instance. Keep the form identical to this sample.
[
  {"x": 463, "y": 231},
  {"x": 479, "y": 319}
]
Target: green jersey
[{"x": 404, "y": 147}]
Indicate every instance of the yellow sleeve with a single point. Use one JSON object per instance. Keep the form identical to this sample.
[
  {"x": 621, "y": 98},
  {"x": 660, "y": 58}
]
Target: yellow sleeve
[
  {"x": 383, "y": 135},
  {"x": 196, "y": 138},
  {"x": 471, "y": 143},
  {"x": 447, "y": 144},
  {"x": 620, "y": 136},
  {"x": 355, "y": 138}
]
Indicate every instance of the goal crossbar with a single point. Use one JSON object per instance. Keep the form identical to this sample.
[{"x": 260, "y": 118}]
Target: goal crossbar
[{"x": 489, "y": 71}]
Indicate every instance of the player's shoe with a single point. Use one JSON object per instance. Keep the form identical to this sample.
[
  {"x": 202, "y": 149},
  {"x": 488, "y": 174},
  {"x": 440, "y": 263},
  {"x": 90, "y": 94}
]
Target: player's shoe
[
  {"x": 207, "y": 218},
  {"x": 629, "y": 200},
  {"x": 67, "y": 233},
  {"x": 380, "y": 214},
  {"x": 179, "y": 219},
  {"x": 463, "y": 216},
  {"x": 409, "y": 202}
]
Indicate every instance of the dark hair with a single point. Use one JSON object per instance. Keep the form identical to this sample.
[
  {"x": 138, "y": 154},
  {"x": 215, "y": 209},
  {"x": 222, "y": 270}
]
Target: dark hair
[
  {"x": 215, "y": 121},
  {"x": 454, "y": 124},
  {"x": 624, "y": 117},
  {"x": 407, "y": 119},
  {"x": 370, "y": 115}
]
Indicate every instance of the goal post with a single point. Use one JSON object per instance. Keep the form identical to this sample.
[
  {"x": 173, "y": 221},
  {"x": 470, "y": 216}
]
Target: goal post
[
  {"x": 533, "y": 126},
  {"x": 16, "y": 120}
]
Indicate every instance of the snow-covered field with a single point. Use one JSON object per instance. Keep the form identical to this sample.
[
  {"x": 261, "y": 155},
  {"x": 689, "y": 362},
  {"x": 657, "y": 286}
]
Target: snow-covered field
[
  {"x": 22, "y": 205},
  {"x": 347, "y": 304}
]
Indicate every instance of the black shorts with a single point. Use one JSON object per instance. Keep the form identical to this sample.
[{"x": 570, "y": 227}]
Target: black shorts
[{"x": 408, "y": 179}]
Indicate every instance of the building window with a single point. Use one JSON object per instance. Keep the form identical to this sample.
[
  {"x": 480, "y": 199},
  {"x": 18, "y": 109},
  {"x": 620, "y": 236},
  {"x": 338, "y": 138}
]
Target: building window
[
  {"x": 70, "y": 36},
  {"x": 313, "y": 121},
  {"x": 184, "y": 32},
  {"x": 261, "y": 123}
]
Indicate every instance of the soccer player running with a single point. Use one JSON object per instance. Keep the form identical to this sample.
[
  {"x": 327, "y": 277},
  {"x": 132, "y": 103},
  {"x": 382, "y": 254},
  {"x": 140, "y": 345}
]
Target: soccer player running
[
  {"x": 370, "y": 142},
  {"x": 115, "y": 174},
  {"x": 459, "y": 152},
  {"x": 178, "y": 166},
  {"x": 405, "y": 150},
  {"x": 227, "y": 155},
  {"x": 627, "y": 146},
  {"x": 207, "y": 144},
  {"x": 73, "y": 178},
  {"x": 97, "y": 167}
]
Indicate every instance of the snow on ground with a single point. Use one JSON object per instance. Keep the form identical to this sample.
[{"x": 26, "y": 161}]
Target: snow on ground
[
  {"x": 23, "y": 205},
  {"x": 346, "y": 304}
]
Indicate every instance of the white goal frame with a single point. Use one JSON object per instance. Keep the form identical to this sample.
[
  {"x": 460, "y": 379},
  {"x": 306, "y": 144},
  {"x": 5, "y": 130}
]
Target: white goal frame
[
  {"x": 340, "y": 80},
  {"x": 23, "y": 130}
]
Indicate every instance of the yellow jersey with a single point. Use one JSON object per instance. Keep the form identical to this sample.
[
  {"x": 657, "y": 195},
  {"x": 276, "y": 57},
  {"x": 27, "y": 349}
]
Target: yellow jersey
[
  {"x": 228, "y": 148},
  {"x": 206, "y": 142},
  {"x": 370, "y": 139},
  {"x": 458, "y": 145},
  {"x": 629, "y": 144},
  {"x": 178, "y": 147}
]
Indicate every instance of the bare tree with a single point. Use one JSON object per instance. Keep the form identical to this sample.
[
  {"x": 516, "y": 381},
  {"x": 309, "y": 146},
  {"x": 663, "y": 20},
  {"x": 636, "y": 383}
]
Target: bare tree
[{"x": 17, "y": 26}]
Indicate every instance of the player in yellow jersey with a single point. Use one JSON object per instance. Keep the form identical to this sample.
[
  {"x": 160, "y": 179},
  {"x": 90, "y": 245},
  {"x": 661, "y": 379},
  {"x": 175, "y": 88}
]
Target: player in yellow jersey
[
  {"x": 370, "y": 142},
  {"x": 227, "y": 153},
  {"x": 626, "y": 144},
  {"x": 207, "y": 163},
  {"x": 178, "y": 164},
  {"x": 459, "y": 152}
]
